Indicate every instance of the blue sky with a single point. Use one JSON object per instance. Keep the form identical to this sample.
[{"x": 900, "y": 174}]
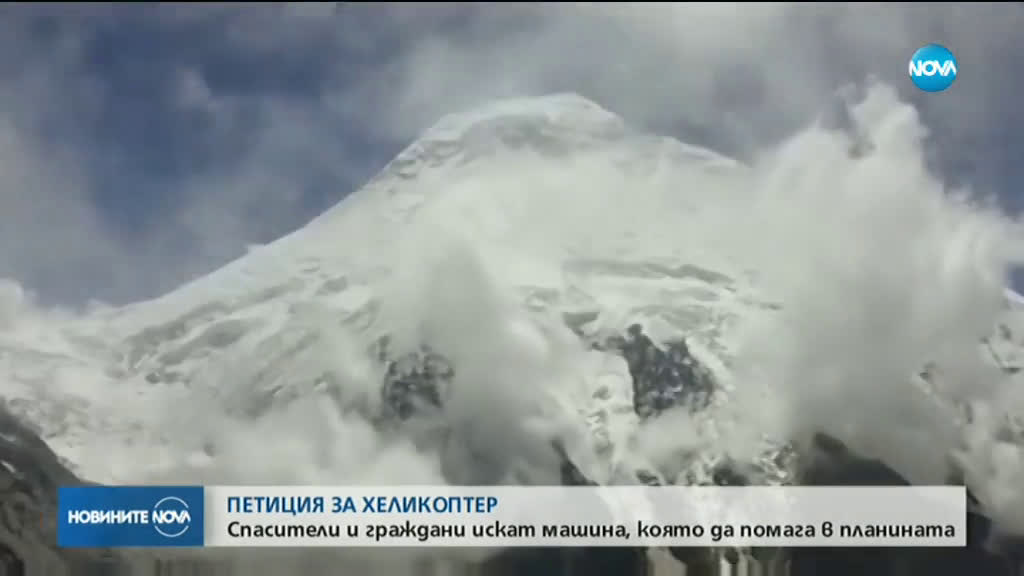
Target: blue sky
[{"x": 142, "y": 145}]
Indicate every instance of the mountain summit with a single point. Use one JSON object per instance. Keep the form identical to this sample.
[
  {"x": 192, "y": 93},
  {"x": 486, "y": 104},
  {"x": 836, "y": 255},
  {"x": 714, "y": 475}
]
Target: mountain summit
[{"x": 521, "y": 221}]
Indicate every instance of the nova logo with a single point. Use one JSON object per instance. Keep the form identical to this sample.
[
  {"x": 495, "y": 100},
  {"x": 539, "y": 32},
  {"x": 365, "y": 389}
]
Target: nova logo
[
  {"x": 171, "y": 517},
  {"x": 933, "y": 68}
]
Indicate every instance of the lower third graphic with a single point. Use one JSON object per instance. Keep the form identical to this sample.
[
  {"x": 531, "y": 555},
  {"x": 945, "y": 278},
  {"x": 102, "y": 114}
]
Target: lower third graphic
[{"x": 119, "y": 516}]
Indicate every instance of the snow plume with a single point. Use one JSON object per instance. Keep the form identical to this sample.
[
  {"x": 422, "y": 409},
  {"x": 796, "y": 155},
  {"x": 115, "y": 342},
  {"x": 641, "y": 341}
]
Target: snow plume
[
  {"x": 324, "y": 436},
  {"x": 22, "y": 314},
  {"x": 508, "y": 363},
  {"x": 882, "y": 271},
  {"x": 307, "y": 410},
  {"x": 12, "y": 301},
  {"x": 498, "y": 410}
]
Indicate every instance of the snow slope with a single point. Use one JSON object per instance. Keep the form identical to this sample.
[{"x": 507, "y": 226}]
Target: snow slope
[{"x": 813, "y": 284}]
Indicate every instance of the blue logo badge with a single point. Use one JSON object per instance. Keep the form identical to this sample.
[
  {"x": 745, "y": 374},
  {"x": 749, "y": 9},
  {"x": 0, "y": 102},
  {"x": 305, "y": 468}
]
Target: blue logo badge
[
  {"x": 933, "y": 68},
  {"x": 113, "y": 516}
]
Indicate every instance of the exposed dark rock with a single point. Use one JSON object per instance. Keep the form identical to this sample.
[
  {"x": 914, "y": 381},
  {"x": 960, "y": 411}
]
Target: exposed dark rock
[
  {"x": 648, "y": 478},
  {"x": 29, "y": 476},
  {"x": 30, "y": 473},
  {"x": 830, "y": 463},
  {"x": 10, "y": 563},
  {"x": 662, "y": 379},
  {"x": 569, "y": 473},
  {"x": 729, "y": 475},
  {"x": 671, "y": 377},
  {"x": 414, "y": 381},
  {"x": 610, "y": 561},
  {"x": 532, "y": 561}
]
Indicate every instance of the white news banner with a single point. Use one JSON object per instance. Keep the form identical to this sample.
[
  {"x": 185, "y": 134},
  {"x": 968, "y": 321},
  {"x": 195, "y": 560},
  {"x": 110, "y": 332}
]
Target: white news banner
[{"x": 407, "y": 516}]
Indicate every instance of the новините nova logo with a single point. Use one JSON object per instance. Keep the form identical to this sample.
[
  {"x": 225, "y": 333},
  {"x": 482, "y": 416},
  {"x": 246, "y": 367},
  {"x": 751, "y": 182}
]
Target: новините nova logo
[{"x": 102, "y": 516}]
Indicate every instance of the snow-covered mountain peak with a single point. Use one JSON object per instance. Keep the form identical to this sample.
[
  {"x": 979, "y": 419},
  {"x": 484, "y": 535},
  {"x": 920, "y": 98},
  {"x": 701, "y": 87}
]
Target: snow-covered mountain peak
[
  {"x": 535, "y": 182},
  {"x": 566, "y": 111},
  {"x": 501, "y": 231},
  {"x": 557, "y": 127},
  {"x": 508, "y": 252},
  {"x": 554, "y": 187}
]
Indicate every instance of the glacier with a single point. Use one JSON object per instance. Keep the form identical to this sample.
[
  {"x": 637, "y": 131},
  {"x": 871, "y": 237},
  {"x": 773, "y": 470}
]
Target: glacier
[{"x": 825, "y": 286}]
